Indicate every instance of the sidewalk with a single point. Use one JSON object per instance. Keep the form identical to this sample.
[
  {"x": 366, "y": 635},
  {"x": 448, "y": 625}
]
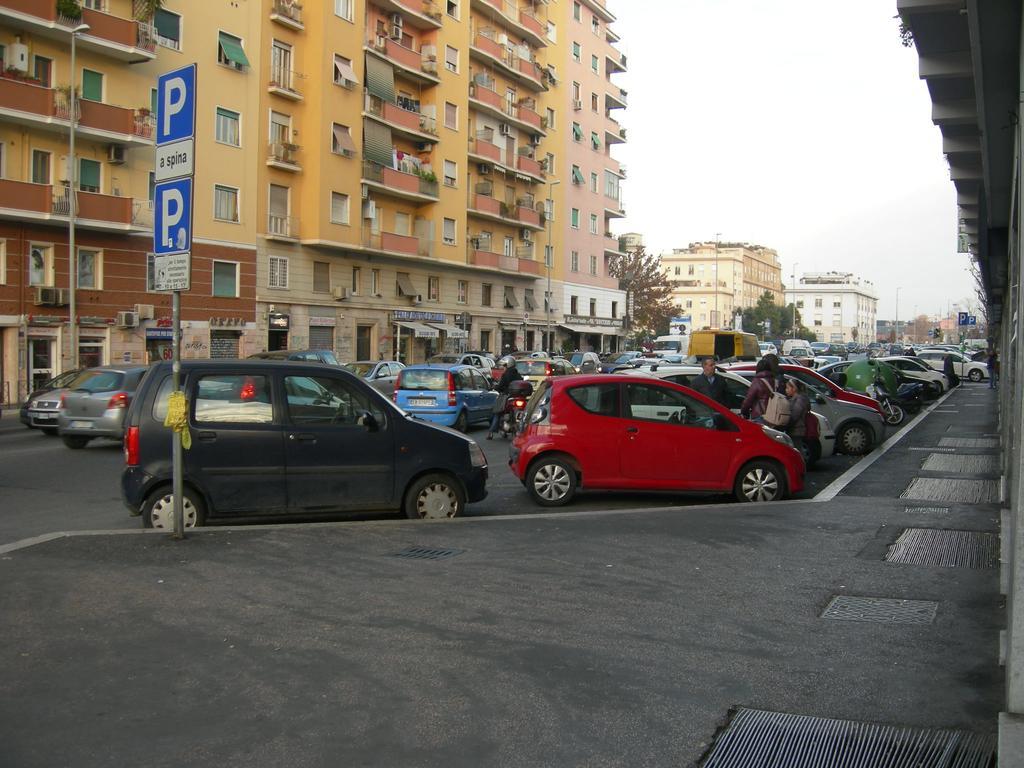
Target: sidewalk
[{"x": 586, "y": 639}]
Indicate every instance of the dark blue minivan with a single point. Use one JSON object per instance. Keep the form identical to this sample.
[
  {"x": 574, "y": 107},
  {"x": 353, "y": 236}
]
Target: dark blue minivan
[{"x": 280, "y": 439}]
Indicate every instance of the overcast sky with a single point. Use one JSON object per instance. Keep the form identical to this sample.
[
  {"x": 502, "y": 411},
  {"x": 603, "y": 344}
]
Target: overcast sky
[{"x": 800, "y": 125}]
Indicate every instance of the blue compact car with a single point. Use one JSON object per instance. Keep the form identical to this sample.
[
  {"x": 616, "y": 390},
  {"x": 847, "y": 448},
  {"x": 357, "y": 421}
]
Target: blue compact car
[{"x": 452, "y": 395}]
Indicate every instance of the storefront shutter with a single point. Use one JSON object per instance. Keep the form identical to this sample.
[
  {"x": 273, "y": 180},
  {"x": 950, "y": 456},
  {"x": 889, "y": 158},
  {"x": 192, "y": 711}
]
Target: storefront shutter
[{"x": 321, "y": 337}]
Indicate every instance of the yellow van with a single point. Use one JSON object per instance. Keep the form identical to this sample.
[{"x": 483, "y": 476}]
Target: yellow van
[{"x": 725, "y": 345}]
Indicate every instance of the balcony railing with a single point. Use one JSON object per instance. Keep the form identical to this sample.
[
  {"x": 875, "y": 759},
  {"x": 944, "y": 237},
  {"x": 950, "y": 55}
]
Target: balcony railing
[
  {"x": 393, "y": 242},
  {"x": 120, "y": 37},
  {"x": 287, "y": 12},
  {"x": 284, "y": 153},
  {"x": 399, "y": 180},
  {"x": 282, "y": 226},
  {"x": 285, "y": 82},
  {"x": 94, "y": 206},
  {"x": 404, "y": 115}
]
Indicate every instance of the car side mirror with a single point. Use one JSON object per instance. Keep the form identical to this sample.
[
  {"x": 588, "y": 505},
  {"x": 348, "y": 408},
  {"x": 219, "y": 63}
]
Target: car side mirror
[
  {"x": 366, "y": 420},
  {"x": 820, "y": 399}
]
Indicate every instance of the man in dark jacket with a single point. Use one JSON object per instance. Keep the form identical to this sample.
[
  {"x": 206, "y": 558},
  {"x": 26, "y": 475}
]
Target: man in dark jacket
[
  {"x": 511, "y": 374},
  {"x": 708, "y": 383}
]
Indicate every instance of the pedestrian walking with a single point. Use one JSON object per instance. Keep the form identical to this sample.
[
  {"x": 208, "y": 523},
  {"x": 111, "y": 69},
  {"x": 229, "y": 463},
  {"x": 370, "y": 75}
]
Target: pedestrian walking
[
  {"x": 708, "y": 383},
  {"x": 992, "y": 361},
  {"x": 950, "y": 371}
]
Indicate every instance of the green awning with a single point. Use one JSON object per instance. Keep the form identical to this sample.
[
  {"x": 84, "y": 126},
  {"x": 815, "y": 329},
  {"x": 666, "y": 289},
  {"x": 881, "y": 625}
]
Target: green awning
[
  {"x": 577, "y": 176},
  {"x": 167, "y": 24},
  {"x": 377, "y": 147},
  {"x": 88, "y": 174},
  {"x": 577, "y": 132},
  {"x": 380, "y": 79},
  {"x": 232, "y": 49},
  {"x": 595, "y": 141}
]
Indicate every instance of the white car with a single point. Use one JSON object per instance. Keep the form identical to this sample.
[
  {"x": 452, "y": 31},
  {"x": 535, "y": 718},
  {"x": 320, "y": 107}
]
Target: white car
[
  {"x": 767, "y": 348},
  {"x": 919, "y": 370},
  {"x": 963, "y": 366}
]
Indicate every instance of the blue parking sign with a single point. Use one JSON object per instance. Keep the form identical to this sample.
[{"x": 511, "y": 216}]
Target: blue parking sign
[
  {"x": 961, "y": 318},
  {"x": 176, "y": 105},
  {"x": 172, "y": 216}
]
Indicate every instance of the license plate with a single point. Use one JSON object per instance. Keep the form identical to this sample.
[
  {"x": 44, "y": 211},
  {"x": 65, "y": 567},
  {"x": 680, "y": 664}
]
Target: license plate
[
  {"x": 421, "y": 401},
  {"x": 81, "y": 425},
  {"x": 43, "y": 418}
]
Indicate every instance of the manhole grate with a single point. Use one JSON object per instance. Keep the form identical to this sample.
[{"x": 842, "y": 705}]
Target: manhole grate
[
  {"x": 756, "y": 737},
  {"x": 950, "y": 489},
  {"x": 947, "y": 549},
  {"x": 883, "y": 610},
  {"x": 426, "y": 553},
  {"x": 928, "y": 510},
  {"x": 974, "y": 464},
  {"x": 968, "y": 442}
]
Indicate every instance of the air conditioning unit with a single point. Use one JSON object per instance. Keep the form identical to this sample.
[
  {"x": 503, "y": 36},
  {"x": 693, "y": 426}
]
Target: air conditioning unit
[
  {"x": 127, "y": 320},
  {"x": 577, "y": 105},
  {"x": 396, "y": 32},
  {"x": 144, "y": 311},
  {"x": 369, "y": 209},
  {"x": 115, "y": 154},
  {"x": 483, "y": 169},
  {"x": 339, "y": 292},
  {"x": 525, "y": 235},
  {"x": 504, "y": 129},
  {"x": 46, "y": 297}
]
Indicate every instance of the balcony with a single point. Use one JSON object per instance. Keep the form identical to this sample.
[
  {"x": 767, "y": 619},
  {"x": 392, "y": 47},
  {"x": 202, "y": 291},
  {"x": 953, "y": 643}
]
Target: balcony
[
  {"x": 616, "y": 62},
  {"x": 420, "y": 66},
  {"x": 280, "y": 227},
  {"x": 530, "y": 167},
  {"x": 483, "y": 96},
  {"x": 119, "y": 38},
  {"x": 405, "y": 118},
  {"x": 493, "y": 52},
  {"x": 482, "y": 147},
  {"x": 287, "y": 13},
  {"x": 27, "y": 103},
  {"x": 395, "y": 183},
  {"x": 611, "y": 245},
  {"x": 615, "y": 97},
  {"x": 391, "y": 242},
  {"x": 506, "y": 13},
  {"x": 614, "y": 134},
  {"x": 285, "y": 82},
  {"x": 24, "y": 201},
  {"x": 419, "y": 14},
  {"x": 517, "y": 214},
  {"x": 502, "y": 263},
  {"x": 284, "y": 156}
]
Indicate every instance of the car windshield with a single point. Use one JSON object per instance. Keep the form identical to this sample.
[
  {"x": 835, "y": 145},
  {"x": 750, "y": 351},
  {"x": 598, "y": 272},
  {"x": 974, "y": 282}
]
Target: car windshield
[
  {"x": 532, "y": 367},
  {"x": 663, "y": 345},
  {"x": 359, "y": 369},
  {"x": 98, "y": 381},
  {"x": 421, "y": 379}
]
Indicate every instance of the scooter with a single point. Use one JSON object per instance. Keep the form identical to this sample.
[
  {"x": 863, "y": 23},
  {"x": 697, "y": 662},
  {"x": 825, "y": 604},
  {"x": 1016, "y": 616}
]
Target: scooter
[
  {"x": 909, "y": 398},
  {"x": 519, "y": 393}
]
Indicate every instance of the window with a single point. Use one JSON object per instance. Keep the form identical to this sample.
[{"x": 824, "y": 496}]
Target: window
[
  {"x": 152, "y": 185},
  {"x": 593, "y": 102},
  {"x": 451, "y": 58},
  {"x": 574, "y": 305},
  {"x": 575, "y": 92},
  {"x": 615, "y": 309},
  {"x": 800, "y": 304},
  {"x": 677, "y": 271},
  {"x": 225, "y": 279},
  {"x": 321, "y": 277},
  {"x": 227, "y": 128},
  {"x": 3, "y": 262},
  {"x": 40, "y": 265},
  {"x": 593, "y": 182},
  {"x": 593, "y": 265},
  {"x": 451, "y": 115},
  {"x": 485, "y": 295},
  {"x": 168, "y": 29},
  {"x": 40, "y": 167},
  {"x": 341, "y": 140},
  {"x": 595, "y": 140},
  {"x": 344, "y": 75},
  {"x": 328, "y": 402},
  {"x": 549, "y": 164},
  {"x": 602, "y": 399},
  {"x": 552, "y": 32},
  {"x": 448, "y": 232},
  {"x": 449, "y": 173},
  {"x": 576, "y": 11},
  {"x": 689, "y": 303},
  {"x": 594, "y": 65},
  {"x": 837, "y": 304},
  {"x": 375, "y": 282},
  {"x": 280, "y": 128},
  {"x": 595, "y": 25},
  {"x": 577, "y": 132},
  {"x": 550, "y": 117},
  {"x": 548, "y": 255},
  {"x": 433, "y": 288},
  {"x": 231, "y": 54},
  {"x": 593, "y": 223},
  {"x": 574, "y": 261},
  {"x": 339, "y": 208},
  {"x": 89, "y": 265},
  {"x": 689, "y": 270},
  {"x": 277, "y": 274},
  {"x": 509, "y": 246},
  {"x": 225, "y": 203},
  {"x": 577, "y": 175},
  {"x": 817, "y": 303},
  {"x": 611, "y": 185},
  {"x": 593, "y": 307},
  {"x": 576, "y": 52},
  {"x": 234, "y": 399},
  {"x": 88, "y": 175},
  {"x": 453, "y": 8},
  {"x": 42, "y": 70},
  {"x": 357, "y": 281},
  {"x": 653, "y": 403},
  {"x": 92, "y": 85},
  {"x": 463, "y": 292},
  {"x": 343, "y": 8},
  {"x": 574, "y": 218}
]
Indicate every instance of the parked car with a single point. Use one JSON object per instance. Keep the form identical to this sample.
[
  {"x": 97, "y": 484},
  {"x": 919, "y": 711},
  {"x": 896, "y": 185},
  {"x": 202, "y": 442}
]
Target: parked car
[
  {"x": 597, "y": 432},
  {"x": 822, "y": 360},
  {"x": 39, "y": 411},
  {"x": 585, "y": 362},
  {"x": 94, "y": 404},
  {"x": 453, "y": 395},
  {"x": 482, "y": 363},
  {"x": 736, "y": 387},
  {"x": 290, "y": 438},
  {"x": 613, "y": 361},
  {"x": 820, "y": 347},
  {"x": 536, "y": 369},
  {"x": 963, "y": 366},
  {"x": 308, "y": 355},
  {"x": 767, "y": 348},
  {"x": 379, "y": 374}
]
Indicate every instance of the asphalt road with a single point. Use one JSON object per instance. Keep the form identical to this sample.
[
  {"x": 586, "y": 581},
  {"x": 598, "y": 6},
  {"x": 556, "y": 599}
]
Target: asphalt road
[{"x": 46, "y": 487}]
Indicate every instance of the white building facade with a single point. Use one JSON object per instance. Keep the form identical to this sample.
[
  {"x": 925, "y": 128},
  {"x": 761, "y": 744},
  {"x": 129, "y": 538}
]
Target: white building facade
[{"x": 838, "y": 306}]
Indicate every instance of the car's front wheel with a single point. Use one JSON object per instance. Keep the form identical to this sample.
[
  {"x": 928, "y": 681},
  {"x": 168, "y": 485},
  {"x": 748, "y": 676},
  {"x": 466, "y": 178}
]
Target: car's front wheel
[
  {"x": 854, "y": 440},
  {"x": 74, "y": 442},
  {"x": 975, "y": 375},
  {"x": 551, "y": 481},
  {"x": 434, "y": 497},
  {"x": 760, "y": 481},
  {"x": 158, "y": 511}
]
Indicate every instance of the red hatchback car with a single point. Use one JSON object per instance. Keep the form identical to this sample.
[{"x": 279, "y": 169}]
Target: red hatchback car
[
  {"x": 603, "y": 432},
  {"x": 819, "y": 383}
]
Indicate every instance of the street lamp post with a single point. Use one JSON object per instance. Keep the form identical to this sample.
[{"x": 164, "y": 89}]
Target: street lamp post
[
  {"x": 548, "y": 258},
  {"x": 72, "y": 207},
  {"x": 897, "y": 320},
  {"x": 795, "y": 265},
  {"x": 718, "y": 322}
]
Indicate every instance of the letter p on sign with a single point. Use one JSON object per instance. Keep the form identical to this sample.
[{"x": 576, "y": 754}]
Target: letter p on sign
[{"x": 176, "y": 105}]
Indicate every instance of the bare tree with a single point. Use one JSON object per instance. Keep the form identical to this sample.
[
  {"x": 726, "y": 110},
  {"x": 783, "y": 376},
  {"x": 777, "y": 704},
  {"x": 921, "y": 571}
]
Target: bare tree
[{"x": 649, "y": 304}]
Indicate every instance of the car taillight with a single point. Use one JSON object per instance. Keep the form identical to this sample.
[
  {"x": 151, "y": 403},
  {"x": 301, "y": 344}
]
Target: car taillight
[
  {"x": 120, "y": 400},
  {"x": 131, "y": 447},
  {"x": 452, "y": 399},
  {"x": 518, "y": 403},
  {"x": 394, "y": 392},
  {"x": 547, "y": 369},
  {"x": 248, "y": 390}
]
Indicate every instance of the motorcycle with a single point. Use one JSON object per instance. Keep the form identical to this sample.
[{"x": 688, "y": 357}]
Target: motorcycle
[
  {"x": 909, "y": 398},
  {"x": 518, "y": 396}
]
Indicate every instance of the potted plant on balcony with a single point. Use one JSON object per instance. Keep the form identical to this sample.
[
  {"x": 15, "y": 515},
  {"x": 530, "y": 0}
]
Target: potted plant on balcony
[
  {"x": 69, "y": 9},
  {"x": 145, "y": 10},
  {"x": 427, "y": 175}
]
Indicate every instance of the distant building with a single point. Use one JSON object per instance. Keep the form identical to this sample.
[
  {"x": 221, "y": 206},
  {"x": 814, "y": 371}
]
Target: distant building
[
  {"x": 834, "y": 304},
  {"x": 630, "y": 241},
  {"x": 714, "y": 281}
]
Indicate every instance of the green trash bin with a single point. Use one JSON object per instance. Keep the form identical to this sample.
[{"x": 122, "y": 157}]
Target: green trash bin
[{"x": 862, "y": 373}]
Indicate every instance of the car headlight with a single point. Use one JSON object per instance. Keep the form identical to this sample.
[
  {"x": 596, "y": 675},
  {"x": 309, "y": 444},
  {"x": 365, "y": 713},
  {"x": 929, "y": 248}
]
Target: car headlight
[
  {"x": 778, "y": 436},
  {"x": 476, "y": 455}
]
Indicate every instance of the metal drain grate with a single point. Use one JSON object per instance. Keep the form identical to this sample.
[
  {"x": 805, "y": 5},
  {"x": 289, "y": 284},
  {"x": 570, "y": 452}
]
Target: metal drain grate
[
  {"x": 968, "y": 442},
  {"x": 425, "y": 553},
  {"x": 947, "y": 549},
  {"x": 756, "y": 737},
  {"x": 883, "y": 610},
  {"x": 928, "y": 510},
  {"x": 956, "y": 490},
  {"x": 973, "y": 464}
]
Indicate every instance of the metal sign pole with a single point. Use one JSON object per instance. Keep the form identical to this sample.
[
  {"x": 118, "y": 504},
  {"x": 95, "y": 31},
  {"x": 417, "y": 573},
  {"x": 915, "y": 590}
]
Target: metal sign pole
[{"x": 177, "y": 482}]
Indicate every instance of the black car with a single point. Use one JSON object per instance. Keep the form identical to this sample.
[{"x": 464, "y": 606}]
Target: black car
[{"x": 281, "y": 438}]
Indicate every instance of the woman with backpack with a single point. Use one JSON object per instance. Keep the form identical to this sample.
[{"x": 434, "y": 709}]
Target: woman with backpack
[
  {"x": 761, "y": 389},
  {"x": 799, "y": 415}
]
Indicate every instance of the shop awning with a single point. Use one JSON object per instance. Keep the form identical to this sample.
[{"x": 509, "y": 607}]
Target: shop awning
[
  {"x": 593, "y": 330},
  {"x": 406, "y": 286},
  {"x": 419, "y": 330},
  {"x": 452, "y": 331}
]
